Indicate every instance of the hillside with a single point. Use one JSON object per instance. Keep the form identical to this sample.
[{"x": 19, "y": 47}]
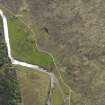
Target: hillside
[{"x": 73, "y": 32}]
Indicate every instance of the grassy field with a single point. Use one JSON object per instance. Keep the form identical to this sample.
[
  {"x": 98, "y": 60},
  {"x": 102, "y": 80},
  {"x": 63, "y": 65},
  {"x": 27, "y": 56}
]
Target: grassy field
[
  {"x": 57, "y": 97},
  {"x": 62, "y": 83},
  {"x": 33, "y": 86},
  {"x": 0, "y": 22},
  {"x": 23, "y": 44}
]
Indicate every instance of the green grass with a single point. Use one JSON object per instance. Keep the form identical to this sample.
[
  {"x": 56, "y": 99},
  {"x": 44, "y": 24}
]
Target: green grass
[
  {"x": 23, "y": 44},
  {"x": 34, "y": 86},
  {"x": 57, "y": 97}
]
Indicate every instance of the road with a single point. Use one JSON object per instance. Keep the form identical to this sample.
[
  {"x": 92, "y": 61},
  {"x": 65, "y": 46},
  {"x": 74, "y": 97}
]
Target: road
[
  {"x": 17, "y": 62},
  {"x": 53, "y": 79}
]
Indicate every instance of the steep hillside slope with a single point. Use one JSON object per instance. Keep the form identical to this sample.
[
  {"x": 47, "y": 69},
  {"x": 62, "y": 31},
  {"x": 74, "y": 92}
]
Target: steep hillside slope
[
  {"x": 73, "y": 31},
  {"x": 75, "y": 36}
]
